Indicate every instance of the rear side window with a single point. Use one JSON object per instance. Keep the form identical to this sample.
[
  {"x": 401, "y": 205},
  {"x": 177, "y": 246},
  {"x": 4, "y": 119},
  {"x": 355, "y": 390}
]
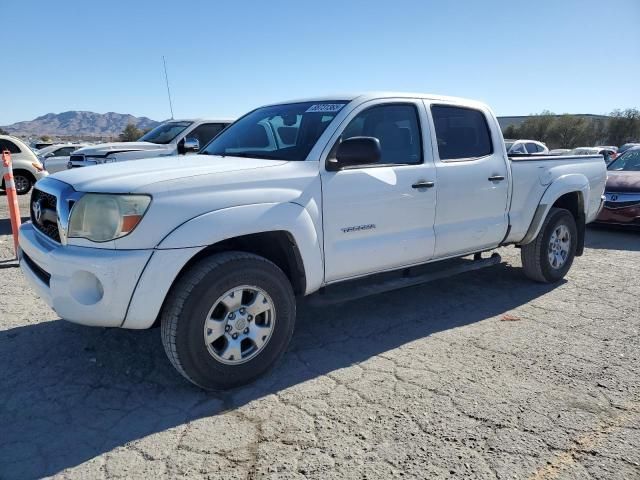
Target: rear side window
[
  {"x": 8, "y": 145},
  {"x": 461, "y": 132},
  {"x": 533, "y": 148}
]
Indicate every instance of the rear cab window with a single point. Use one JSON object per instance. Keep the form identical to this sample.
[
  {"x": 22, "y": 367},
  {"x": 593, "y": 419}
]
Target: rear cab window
[{"x": 461, "y": 132}]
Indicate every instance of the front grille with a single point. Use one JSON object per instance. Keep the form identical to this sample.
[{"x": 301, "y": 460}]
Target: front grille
[
  {"x": 43, "y": 275},
  {"x": 623, "y": 204},
  {"x": 47, "y": 223}
]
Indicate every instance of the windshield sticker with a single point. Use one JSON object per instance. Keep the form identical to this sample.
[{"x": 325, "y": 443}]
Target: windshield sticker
[{"x": 325, "y": 108}]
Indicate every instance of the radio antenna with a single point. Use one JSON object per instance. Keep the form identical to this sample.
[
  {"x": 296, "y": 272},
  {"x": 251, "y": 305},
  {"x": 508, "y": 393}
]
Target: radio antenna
[{"x": 166, "y": 78}]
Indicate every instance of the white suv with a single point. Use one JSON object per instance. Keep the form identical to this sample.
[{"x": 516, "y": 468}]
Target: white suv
[{"x": 27, "y": 169}]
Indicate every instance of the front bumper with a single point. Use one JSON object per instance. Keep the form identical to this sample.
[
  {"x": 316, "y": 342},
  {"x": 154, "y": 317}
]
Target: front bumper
[{"x": 90, "y": 286}]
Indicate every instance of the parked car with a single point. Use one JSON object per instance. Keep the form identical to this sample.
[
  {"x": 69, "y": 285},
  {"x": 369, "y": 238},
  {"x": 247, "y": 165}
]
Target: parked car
[
  {"x": 56, "y": 157},
  {"x": 622, "y": 192},
  {"x": 27, "y": 169},
  {"x": 41, "y": 145},
  {"x": 626, "y": 147},
  {"x": 559, "y": 151},
  {"x": 170, "y": 138},
  {"x": 605, "y": 152},
  {"x": 531, "y": 147},
  {"x": 289, "y": 199}
]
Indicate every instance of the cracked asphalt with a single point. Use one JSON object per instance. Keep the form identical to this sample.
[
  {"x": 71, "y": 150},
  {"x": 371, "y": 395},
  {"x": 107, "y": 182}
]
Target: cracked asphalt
[{"x": 485, "y": 375}]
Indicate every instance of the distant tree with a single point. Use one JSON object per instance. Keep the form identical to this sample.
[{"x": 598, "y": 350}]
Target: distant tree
[
  {"x": 3, "y": 132},
  {"x": 568, "y": 131},
  {"x": 511, "y": 132},
  {"x": 623, "y": 126},
  {"x": 45, "y": 138},
  {"x": 131, "y": 133}
]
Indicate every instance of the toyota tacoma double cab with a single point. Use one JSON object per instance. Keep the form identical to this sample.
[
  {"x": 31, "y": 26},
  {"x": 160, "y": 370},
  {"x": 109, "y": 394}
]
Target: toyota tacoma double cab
[{"x": 288, "y": 201}]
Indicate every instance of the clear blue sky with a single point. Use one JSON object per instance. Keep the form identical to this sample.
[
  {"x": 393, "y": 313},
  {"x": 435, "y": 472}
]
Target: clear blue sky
[{"x": 224, "y": 58}]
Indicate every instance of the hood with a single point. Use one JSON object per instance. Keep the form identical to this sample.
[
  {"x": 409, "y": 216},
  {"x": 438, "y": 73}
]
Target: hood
[
  {"x": 104, "y": 148},
  {"x": 623, "y": 182},
  {"x": 138, "y": 176}
]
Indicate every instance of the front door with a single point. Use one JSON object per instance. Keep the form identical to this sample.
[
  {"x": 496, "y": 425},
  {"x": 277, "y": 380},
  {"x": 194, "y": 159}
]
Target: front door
[
  {"x": 473, "y": 181},
  {"x": 380, "y": 217}
]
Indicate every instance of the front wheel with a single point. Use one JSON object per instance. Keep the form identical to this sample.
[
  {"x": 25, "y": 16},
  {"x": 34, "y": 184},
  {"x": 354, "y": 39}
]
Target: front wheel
[
  {"x": 23, "y": 183},
  {"x": 549, "y": 256},
  {"x": 228, "y": 320}
]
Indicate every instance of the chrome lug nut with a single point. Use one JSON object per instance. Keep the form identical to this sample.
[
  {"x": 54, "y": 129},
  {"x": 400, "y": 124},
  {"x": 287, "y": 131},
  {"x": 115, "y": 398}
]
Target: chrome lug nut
[
  {"x": 249, "y": 317},
  {"x": 227, "y": 328},
  {"x": 234, "y": 336},
  {"x": 242, "y": 310},
  {"x": 246, "y": 330}
]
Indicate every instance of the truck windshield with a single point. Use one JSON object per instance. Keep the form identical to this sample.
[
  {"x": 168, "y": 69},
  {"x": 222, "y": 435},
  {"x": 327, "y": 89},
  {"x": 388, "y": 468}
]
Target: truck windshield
[
  {"x": 278, "y": 132},
  {"x": 165, "y": 133}
]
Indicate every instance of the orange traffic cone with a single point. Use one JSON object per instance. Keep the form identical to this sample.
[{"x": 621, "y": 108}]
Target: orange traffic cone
[{"x": 12, "y": 197}]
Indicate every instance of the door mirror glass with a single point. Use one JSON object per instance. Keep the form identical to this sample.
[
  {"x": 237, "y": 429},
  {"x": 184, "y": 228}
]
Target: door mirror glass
[
  {"x": 356, "y": 151},
  {"x": 191, "y": 145}
]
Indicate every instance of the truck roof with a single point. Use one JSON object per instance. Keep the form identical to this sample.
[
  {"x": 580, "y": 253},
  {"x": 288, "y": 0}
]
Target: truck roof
[
  {"x": 365, "y": 96},
  {"x": 201, "y": 120}
]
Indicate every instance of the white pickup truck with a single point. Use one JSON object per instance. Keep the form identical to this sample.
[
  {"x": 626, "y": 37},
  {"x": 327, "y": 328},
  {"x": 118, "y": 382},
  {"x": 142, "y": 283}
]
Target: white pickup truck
[
  {"x": 175, "y": 137},
  {"x": 289, "y": 200}
]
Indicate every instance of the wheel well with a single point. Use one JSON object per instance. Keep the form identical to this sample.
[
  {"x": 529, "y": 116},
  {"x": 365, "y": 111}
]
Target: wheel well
[
  {"x": 574, "y": 202},
  {"x": 279, "y": 247}
]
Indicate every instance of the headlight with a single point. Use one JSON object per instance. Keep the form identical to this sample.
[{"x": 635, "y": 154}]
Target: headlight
[{"x": 102, "y": 217}]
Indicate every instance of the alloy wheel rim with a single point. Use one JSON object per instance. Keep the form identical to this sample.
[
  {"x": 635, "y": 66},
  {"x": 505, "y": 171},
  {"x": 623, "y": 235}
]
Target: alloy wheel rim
[
  {"x": 21, "y": 183},
  {"x": 559, "y": 246},
  {"x": 239, "y": 324}
]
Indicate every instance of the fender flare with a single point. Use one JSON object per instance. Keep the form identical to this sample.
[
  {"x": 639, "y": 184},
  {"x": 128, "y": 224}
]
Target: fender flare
[
  {"x": 570, "y": 183},
  {"x": 219, "y": 225}
]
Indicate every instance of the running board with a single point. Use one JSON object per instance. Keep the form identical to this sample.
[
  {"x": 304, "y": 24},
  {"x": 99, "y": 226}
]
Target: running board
[{"x": 355, "y": 289}]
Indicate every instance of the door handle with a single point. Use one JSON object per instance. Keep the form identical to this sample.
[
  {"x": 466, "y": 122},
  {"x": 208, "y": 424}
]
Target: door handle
[
  {"x": 496, "y": 178},
  {"x": 423, "y": 184}
]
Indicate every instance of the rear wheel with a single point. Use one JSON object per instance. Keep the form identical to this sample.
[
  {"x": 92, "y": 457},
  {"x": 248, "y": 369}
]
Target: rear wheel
[
  {"x": 550, "y": 255},
  {"x": 228, "y": 320}
]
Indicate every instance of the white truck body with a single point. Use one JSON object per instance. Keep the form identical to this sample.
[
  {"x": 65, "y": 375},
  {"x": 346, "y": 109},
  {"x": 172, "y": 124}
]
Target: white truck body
[
  {"x": 152, "y": 144},
  {"x": 339, "y": 225}
]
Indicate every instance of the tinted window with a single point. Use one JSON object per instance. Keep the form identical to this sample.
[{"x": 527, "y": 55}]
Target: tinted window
[
  {"x": 8, "y": 145},
  {"x": 397, "y": 129},
  {"x": 532, "y": 148},
  {"x": 260, "y": 133},
  {"x": 64, "y": 152},
  {"x": 205, "y": 132},
  {"x": 629, "y": 162},
  {"x": 461, "y": 132}
]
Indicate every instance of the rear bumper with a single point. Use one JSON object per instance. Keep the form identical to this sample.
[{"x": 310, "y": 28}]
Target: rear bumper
[{"x": 90, "y": 286}]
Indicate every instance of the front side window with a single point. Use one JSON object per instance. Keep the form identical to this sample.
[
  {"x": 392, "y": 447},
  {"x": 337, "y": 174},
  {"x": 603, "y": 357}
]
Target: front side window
[
  {"x": 279, "y": 132},
  {"x": 518, "y": 148},
  {"x": 461, "y": 132},
  {"x": 205, "y": 132},
  {"x": 165, "y": 133},
  {"x": 8, "y": 145},
  {"x": 395, "y": 126},
  {"x": 627, "y": 162}
]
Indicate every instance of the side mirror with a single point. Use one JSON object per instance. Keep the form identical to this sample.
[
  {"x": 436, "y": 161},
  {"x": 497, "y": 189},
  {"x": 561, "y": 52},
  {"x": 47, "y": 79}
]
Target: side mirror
[
  {"x": 190, "y": 145},
  {"x": 356, "y": 151},
  {"x": 49, "y": 155}
]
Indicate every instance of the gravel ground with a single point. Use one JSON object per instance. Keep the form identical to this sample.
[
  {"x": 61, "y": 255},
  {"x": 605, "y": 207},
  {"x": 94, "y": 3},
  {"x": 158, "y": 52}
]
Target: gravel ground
[{"x": 485, "y": 375}]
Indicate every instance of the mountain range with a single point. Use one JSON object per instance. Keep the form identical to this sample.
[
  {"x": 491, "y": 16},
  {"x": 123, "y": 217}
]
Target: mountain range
[{"x": 78, "y": 123}]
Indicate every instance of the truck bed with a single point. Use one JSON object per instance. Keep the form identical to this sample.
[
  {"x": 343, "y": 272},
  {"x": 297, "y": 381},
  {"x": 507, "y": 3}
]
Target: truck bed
[{"x": 586, "y": 172}]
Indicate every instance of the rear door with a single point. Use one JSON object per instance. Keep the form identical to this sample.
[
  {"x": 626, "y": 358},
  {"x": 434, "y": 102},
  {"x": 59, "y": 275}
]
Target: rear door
[
  {"x": 377, "y": 217},
  {"x": 472, "y": 180}
]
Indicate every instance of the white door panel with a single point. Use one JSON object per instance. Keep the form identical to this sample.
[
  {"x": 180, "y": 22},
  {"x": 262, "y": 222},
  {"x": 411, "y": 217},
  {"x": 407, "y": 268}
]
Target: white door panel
[
  {"x": 373, "y": 218},
  {"x": 472, "y": 210}
]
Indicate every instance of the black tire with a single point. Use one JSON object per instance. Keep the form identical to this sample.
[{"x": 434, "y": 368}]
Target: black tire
[
  {"x": 23, "y": 183},
  {"x": 192, "y": 297},
  {"x": 535, "y": 255}
]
